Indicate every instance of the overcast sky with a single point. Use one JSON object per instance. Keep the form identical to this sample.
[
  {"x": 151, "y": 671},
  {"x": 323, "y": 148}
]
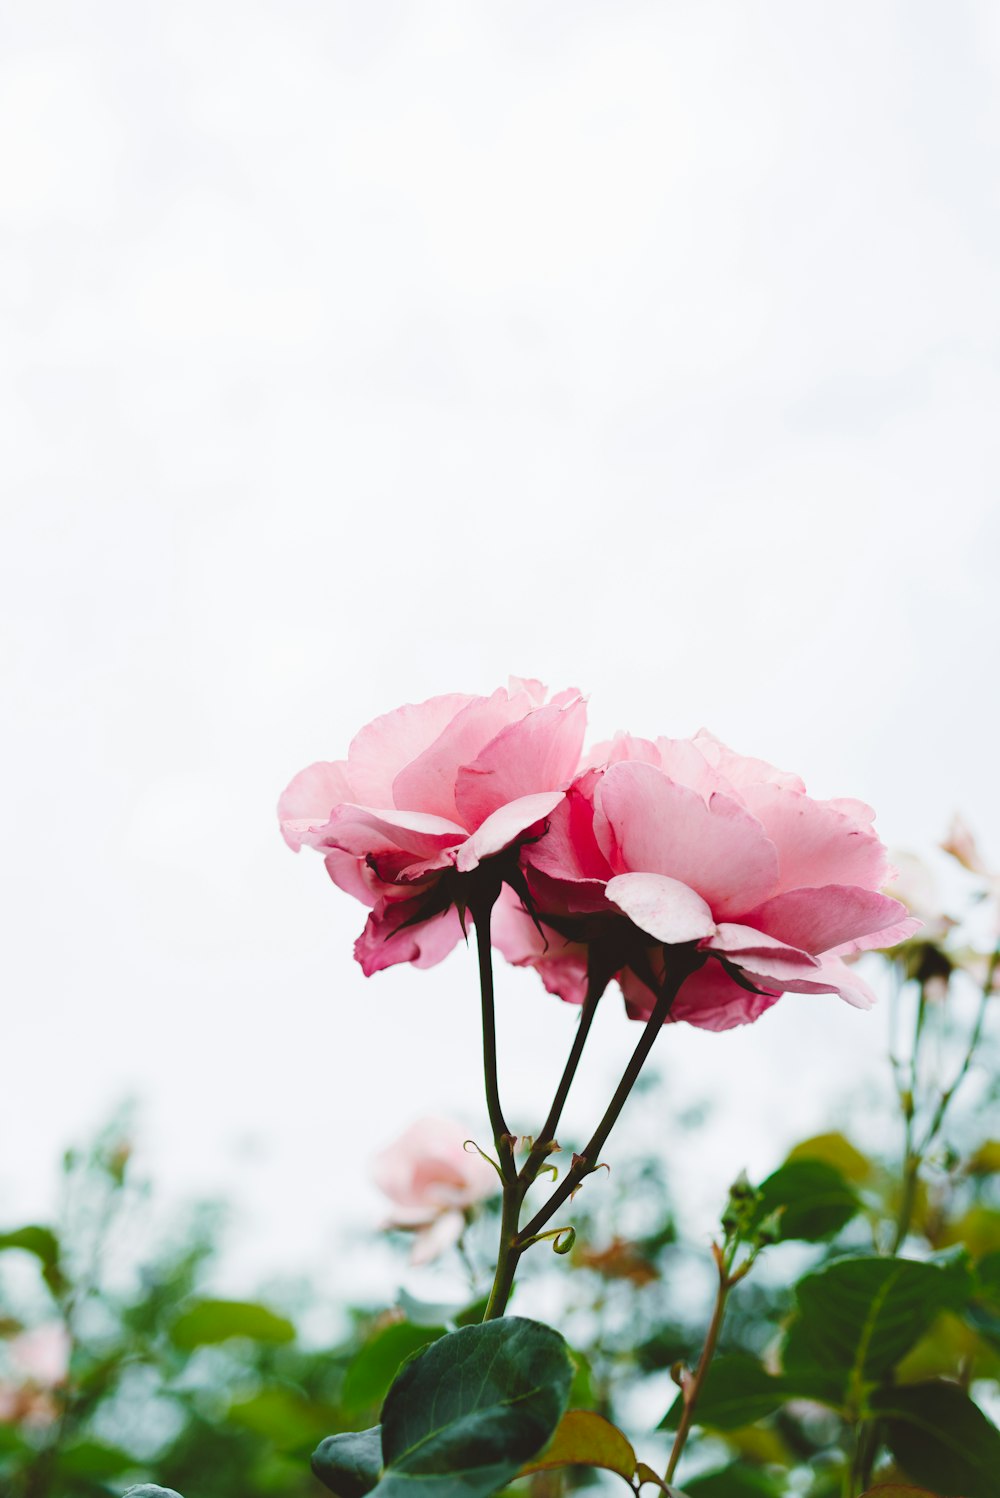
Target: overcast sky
[{"x": 355, "y": 353}]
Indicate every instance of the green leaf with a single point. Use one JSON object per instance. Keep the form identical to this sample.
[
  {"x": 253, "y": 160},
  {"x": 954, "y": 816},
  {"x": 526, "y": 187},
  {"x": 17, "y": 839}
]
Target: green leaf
[
  {"x": 815, "y": 1199},
  {"x": 465, "y": 1415},
  {"x": 371, "y": 1374},
  {"x": 938, "y": 1435},
  {"x": 291, "y": 1422},
  {"x": 585, "y": 1439},
  {"x": 210, "y": 1321},
  {"x": 838, "y": 1151},
  {"x": 350, "y": 1465},
  {"x": 736, "y": 1481},
  {"x": 96, "y": 1460},
  {"x": 43, "y": 1243},
  {"x": 898, "y": 1490},
  {"x": 857, "y": 1317},
  {"x": 737, "y": 1391},
  {"x": 986, "y": 1160}
]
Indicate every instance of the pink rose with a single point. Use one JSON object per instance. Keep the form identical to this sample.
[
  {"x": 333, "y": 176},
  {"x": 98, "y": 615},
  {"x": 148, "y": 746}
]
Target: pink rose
[
  {"x": 682, "y": 841},
  {"x": 432, "y": 1181},
  {"x": 42, "y": 1355},
  {"x": 426, "y": 795},
  {"x": 40, "y": 1358}
]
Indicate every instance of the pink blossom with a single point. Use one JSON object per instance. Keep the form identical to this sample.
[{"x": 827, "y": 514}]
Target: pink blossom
[
  {"x": 432, "y": 1181},
  {"x": 42, "y": 1354},
  {"x": 682, "y": 841},
  {"x": 40, "y": 1358},
  {"x": 426, "y": 794}
]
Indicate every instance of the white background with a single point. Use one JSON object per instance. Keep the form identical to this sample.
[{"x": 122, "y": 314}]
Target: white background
[{"x": 356, "y": 352}]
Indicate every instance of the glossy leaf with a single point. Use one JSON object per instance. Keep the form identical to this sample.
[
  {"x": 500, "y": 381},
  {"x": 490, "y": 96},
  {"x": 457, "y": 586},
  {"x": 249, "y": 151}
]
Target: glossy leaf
[
  {"x": 210, "y": 1321},
  {"x": 373, "y": 1370},
  {"x": 735, "y": 1481},
  {"x": 938, "y": 1435},
  {"x": 898, "y": 1490},
  {"x": 838, "y": 1151},
  {"x": 737, "y": 1391},
  {"x": 814, "y": 1199},
  {"x": 466, "y": 1414},
  {"x": 350, "y": 1465},
  {"x": 586, "y": 1439},
  {"x": 857, "y": 1317}
]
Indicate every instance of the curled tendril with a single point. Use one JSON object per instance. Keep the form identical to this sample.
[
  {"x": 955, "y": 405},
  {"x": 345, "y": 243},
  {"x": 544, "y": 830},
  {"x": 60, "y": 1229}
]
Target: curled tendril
[
  {"x": 562, "y": 1239},
  {"x": 471, "y": 1147}
]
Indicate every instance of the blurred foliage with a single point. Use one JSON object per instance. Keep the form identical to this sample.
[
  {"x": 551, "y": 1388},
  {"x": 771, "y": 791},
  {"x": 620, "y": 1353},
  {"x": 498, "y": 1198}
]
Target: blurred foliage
[{"x": 863, "y": 1349}]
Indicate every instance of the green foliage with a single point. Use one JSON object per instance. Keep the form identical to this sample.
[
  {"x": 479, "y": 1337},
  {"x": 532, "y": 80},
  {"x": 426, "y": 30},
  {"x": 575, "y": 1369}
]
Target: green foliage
[
  {"x": 211, "y": 1321},
  {"x": 737, "y": 1392},
  {"x": 813, "y": 1199},
  {"x": 857, "y": 1317},
  {"x": 735, "y": 1481},
  {"x": 373, "y": 1370},
  {"x": 938, "y": 1435},
  {"x": 468, "y": 1411},
  {"x": 586, "y": 1439},
  {"x": 350, "y": 1465}
]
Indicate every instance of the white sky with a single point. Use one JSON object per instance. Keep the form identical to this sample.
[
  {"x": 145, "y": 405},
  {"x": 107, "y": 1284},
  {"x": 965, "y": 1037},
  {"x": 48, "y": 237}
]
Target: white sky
[{"x": 353, "y": 353}]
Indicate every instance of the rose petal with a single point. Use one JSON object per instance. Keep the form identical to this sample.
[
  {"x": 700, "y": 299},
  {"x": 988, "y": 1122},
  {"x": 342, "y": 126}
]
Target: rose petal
[
  {"x": 662, "y": 907},
  {"x": 364, "y": 830},
  {"x": 834, "y": 976},
  {"x": 818, "y": 920},
  {"x": 383, "y": 747},
  {"x": 429, "y": 780},
  {"x": 310, "y": 797},
  {"x": 647, "y": 823},
  {"x": 385, "y": 942},
  {"x": 541, "y": 752},
  {"x": 503, "y": 827},
  {"x": 816, "y": 843}
]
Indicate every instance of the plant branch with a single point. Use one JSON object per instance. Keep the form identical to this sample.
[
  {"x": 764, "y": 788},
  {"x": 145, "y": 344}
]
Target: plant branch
[
  {"x": 481, "y": 912},
  {"x": 686, "y": 960},
  {"x": 691, "y": 1393}
]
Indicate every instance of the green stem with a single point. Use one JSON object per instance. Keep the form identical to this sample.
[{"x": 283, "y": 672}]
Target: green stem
[
  {"x": 510, "y": 1251},
  {"x": 692, "y": 1393},
  {"x": 512, "y": 1245},
  {"x": 686, "y": 961},
  {"x": 545, "y": 1141},
  {"x": 502, "y": 1137}
]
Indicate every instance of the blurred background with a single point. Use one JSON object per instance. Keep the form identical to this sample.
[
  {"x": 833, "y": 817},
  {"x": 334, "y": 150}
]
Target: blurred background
[{"x": 356, "y": 353}]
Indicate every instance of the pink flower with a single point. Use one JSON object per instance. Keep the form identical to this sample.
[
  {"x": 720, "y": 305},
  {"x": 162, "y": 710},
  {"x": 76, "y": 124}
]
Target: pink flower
[
  {"x": 426, "y": 795},
  {"x": 40, "y": 1358},
  {"x": 682, "y": 841},
  {"x": 42, "y": 1355},
  {"x": 432, "y": 1181}
]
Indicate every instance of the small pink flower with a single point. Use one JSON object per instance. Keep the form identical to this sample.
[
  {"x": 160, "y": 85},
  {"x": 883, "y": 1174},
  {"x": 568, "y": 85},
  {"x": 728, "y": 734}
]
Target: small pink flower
[
  {"x": 682, "y": 841},
  {"x": 42, "y": 1355},
  {"x": 432, "y": 1181},
  {"x": 426, "y": 794},
  {"x": 40, "y": 1358}
]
